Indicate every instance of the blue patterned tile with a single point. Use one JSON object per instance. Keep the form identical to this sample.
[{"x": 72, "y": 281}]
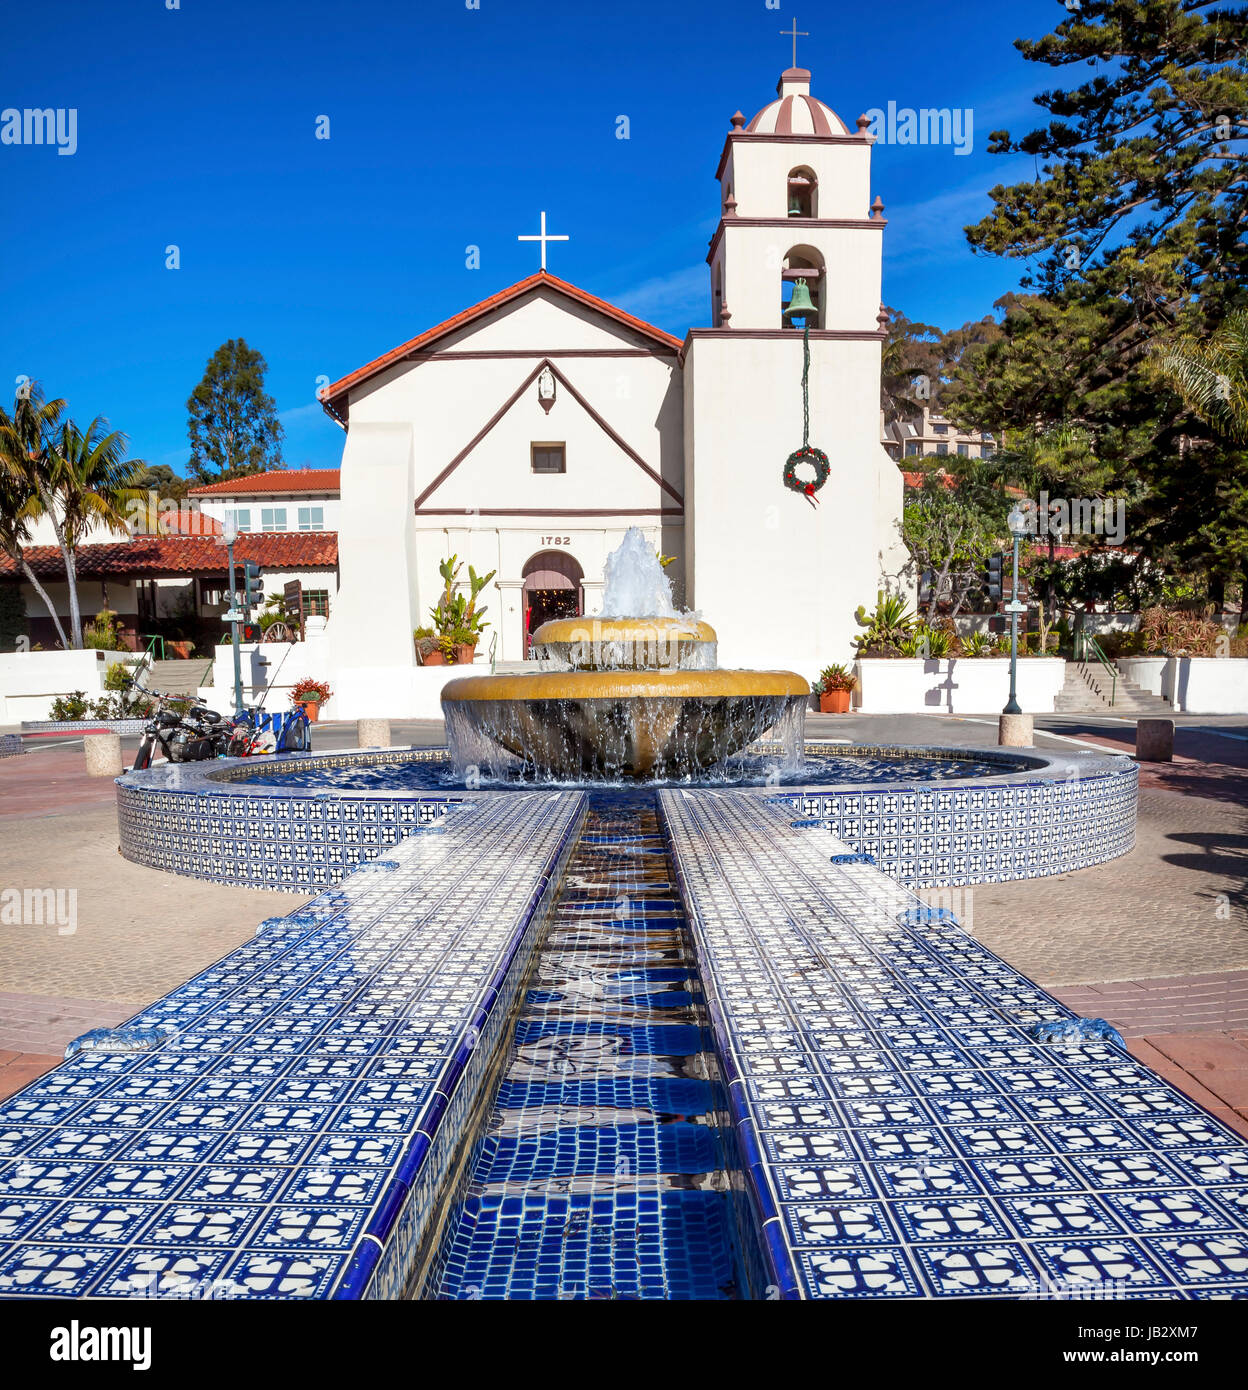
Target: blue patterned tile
[
  {"x": 978, "y": 1269},
  {"x": 1110, "y": 1260}
]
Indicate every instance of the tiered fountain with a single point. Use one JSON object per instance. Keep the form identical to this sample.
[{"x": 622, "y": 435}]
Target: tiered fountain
[{"x": 633, "y": 692}]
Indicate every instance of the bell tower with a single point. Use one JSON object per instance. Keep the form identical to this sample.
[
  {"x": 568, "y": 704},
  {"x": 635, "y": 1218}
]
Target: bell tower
[
  {"x": 783, "y": 571},
  {"x": 795, "y": 189}
]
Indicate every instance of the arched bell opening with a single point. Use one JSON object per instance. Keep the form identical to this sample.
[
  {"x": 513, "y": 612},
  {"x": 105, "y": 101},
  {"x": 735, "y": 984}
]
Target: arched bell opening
[
  {"x": 802, "y": 284},
  {"x": 803, "y": 193}
]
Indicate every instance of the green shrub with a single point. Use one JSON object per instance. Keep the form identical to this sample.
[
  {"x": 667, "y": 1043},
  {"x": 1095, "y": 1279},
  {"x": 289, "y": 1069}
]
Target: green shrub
[{"x": 71, "y": 706}]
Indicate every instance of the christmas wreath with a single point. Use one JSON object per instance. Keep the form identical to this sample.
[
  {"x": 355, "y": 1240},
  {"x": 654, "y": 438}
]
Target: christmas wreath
[{"x": 817, "y": 459}]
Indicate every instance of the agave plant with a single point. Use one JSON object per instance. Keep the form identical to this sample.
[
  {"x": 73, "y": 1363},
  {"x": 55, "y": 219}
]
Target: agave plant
[{"x": 886, "y": 628}]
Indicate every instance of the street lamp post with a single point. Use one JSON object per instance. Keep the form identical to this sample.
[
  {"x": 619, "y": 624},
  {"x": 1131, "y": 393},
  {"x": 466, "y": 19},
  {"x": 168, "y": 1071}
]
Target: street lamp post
[
  {"x": 1018, "y": 529},
  {"x": 235, "y": 615}
]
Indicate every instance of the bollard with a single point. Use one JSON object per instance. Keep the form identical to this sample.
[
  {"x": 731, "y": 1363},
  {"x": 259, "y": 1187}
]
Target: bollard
[
  {"x": 103, "y": 754},
  {"x": 372, "y": 733},
  {"x": 1015, "y": 731},
  {"x": 1154, "y": 740}
]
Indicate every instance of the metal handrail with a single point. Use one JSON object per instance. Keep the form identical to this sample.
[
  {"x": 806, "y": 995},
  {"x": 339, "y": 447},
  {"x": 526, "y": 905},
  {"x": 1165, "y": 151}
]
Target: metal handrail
[
  {"x": 1085, "y": 645},
  {"x": 493, "y": 649},
  {"x": 150, "y": 649}
]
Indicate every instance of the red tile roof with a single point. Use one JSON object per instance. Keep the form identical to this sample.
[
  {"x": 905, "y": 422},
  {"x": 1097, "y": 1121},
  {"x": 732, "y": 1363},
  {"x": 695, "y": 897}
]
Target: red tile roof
[
  {"x": 170, "y": 556},
  {"x": 334, "y": 397},
  {"x": 275, "y": 481},
  {"x": 916, "y": 479}
]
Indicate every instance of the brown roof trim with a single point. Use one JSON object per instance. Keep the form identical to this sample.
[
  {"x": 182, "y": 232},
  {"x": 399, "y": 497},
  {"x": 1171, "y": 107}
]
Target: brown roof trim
[
  {"x": 580, "y": 400},
  {"x": 831, "y": 335},
  {"x": 336, "y": 396},
  {"x": 820, "y": 224},
  {"x": 760, "y": 137},
  {"x": 545, "y": 354},
  {"x": 551, "y": 511}
]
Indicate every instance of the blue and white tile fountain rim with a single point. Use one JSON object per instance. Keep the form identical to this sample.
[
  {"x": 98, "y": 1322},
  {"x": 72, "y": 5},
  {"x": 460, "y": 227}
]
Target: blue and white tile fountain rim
[{"x": 1043, "y": 814}]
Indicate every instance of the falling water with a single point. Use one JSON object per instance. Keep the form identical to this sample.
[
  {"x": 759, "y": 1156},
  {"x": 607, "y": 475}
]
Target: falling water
[
  {"x": 635, "y": 584},
  {"x": 603, "y": 730}
]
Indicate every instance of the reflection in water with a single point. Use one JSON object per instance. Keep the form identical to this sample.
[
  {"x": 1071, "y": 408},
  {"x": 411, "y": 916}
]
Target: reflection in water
[
  {"x": 745, "y": 770},
  {"x": 601, "y": 1175}
]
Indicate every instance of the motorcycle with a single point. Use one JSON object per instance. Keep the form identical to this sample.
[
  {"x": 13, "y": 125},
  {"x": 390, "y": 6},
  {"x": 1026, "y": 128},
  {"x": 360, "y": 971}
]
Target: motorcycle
[
  {"x": 201, "y": 733},
  {"x": 198, "y": 734}
]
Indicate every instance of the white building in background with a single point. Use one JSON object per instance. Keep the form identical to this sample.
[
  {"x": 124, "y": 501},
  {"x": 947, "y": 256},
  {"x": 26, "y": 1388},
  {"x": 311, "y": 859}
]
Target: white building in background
[
  {"x": 297, "y": 500},
  {"x": 530, "y": 431},
  {"x": 927, "y": 433}
]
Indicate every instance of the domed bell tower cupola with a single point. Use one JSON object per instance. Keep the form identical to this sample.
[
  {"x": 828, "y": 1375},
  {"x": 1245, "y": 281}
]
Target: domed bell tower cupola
[{"x": 794, "y": 197}]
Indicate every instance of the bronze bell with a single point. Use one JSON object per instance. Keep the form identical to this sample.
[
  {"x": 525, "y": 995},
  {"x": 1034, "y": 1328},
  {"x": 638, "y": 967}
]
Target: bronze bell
[{"x": 801, "y": 305}]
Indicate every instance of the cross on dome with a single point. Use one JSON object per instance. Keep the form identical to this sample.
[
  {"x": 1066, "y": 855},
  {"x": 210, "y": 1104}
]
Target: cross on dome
[
  {"x": 795, "y": 33},
  {"x": 543, "y": 237}
]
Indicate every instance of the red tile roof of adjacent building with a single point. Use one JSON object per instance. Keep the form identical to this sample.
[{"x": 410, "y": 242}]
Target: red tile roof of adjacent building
[
  {"x": 276, "y": 481},
  {"x": 333, "y": 397},
  {"x": 916, "y": 479},
  {"x": 170, "y": 556}
]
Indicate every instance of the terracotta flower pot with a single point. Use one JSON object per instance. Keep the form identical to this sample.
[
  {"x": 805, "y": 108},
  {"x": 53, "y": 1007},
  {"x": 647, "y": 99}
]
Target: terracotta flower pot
[
  {"x": 312, "y": 709},
  {"x": 834, "y": 702},
  {"x": 434, "y": 659},
  {"x": 464, "y": 653}
]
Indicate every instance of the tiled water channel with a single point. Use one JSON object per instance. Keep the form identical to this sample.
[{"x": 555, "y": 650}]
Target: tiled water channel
[{"x": 601, "y": 1173}]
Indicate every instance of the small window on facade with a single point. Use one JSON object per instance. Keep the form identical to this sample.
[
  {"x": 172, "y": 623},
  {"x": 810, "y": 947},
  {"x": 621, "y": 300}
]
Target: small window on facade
[
  {"x": 913, "y": 448},
  {"x": 942, "y": 449},
  {"x": 316, "y": 601},
  {"x": 311, "y": 518},
  {"x": 549, "y": 458},
  {"x": 272, "y": 518},
  {"x": 964, "y": 450},
  {"x": 242, "y": 518},
  {"x": 940, "y": 429},
  {"x": 987, "y": 451}
]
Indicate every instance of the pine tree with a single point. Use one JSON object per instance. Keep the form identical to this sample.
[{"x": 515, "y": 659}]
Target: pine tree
[
  {"x": 233, "y": 424},
  {"x": 1134, "y": 227}
]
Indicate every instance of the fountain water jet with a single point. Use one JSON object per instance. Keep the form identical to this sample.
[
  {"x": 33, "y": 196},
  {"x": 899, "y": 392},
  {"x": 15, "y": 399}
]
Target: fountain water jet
[{"x": 637, "y": 694}]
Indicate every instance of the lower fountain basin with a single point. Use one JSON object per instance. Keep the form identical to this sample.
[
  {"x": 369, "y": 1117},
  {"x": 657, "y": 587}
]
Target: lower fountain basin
[{"x": 616, "y": 724}]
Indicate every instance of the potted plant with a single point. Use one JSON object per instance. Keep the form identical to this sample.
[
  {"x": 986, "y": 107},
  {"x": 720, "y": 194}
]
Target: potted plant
[
  {"x": 457, "y": 621},
  {"x": 835, "y": 685},
  {"x": 427, "y": 652},
  {"x": 311, "y": 694},
  {"x": 465, "y": 640}
]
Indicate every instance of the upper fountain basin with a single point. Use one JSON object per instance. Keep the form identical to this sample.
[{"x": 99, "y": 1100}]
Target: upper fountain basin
[{"x": 628, "y": 644}]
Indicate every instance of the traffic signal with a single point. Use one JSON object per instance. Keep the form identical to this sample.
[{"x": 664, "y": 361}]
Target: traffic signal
[
  {"x": 253, "y": 593},
  {"x": 993, "y": 578}
]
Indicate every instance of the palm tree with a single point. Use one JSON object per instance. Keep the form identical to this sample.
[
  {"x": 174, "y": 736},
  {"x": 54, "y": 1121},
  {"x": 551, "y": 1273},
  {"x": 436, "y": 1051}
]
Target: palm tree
[
  {"x": 76, "y": 478},
  {"x": 93, "y": 481},
  {"x": 1211, "y": 377},
  {"x": 18, "y": 508}
]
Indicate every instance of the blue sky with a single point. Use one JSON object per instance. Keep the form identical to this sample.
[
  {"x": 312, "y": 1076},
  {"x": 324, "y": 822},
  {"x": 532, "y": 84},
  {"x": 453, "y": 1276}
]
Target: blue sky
[{"x": 449, "y": 127}]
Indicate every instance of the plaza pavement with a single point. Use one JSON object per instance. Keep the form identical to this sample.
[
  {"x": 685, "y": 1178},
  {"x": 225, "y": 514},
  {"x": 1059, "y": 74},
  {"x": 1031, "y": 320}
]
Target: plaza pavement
[{"x": 1157, "y": 941}]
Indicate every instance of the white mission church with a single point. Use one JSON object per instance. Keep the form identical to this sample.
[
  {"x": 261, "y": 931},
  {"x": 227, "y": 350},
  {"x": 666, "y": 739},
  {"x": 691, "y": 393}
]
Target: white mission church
[{"x": 529, "y": 432}]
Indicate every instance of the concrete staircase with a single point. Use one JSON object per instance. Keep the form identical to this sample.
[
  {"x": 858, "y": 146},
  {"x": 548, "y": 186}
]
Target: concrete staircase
[
  {"x": 1088, "y": 690},
  {"x": 179, "y": 677}
]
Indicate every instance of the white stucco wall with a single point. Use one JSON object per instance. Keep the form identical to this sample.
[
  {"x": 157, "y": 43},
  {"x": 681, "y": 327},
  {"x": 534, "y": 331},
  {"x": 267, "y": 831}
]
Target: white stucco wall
[
  {"x": 778, "y": 578},
  {"x": 216, "y": 507},
  {"x": 958, "y": 685},
  {"x": 429, "y": 411}
]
